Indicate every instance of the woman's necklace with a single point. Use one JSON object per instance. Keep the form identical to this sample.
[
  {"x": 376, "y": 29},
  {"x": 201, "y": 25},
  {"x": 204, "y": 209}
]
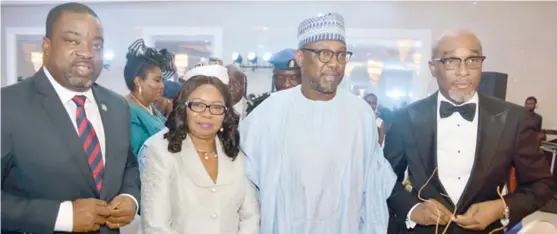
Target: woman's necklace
[
  {"x": 206, "y": 155},
  {"x": 148, "y": 109}
]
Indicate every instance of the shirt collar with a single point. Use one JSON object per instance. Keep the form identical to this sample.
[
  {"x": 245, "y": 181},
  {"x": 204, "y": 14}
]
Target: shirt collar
[
  {"x": 240, "y": 105},
  {"x": 65, "y": 94},
  {"x": 441, "y": 98}
]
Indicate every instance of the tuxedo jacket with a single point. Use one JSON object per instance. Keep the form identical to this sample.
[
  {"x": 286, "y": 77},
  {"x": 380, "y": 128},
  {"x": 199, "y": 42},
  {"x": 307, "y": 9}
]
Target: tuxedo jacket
[
  {"x": 43, "y": 161},
  {"x": 506, "y": 137}
]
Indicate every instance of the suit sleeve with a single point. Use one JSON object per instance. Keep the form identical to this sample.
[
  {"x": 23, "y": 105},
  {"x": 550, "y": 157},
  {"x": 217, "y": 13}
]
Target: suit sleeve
[
  {"x": 534, "y": 181},
  {"x": 130, "y": 184},
  {"x": 393, "y": 149},
  {"x": 401, "y": 201},
  {"x": 156, "y": 209},
  {"x": 249, "y": 211},
  {"x": 22, "y": 214}
]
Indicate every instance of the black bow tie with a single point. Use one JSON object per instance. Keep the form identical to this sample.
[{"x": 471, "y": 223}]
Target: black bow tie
[{"x": 467, "y": 111}]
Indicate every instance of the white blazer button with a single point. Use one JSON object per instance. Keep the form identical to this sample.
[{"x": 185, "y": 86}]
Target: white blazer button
[
  {"x": 214, "y": 190},
  {"x": 214, "y": 216}
]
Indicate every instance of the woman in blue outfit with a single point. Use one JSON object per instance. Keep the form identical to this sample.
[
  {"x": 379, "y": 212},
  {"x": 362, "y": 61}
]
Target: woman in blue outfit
[{"x": 144, "y": 75}]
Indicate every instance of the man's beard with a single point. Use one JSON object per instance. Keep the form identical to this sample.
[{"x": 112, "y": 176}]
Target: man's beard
[
  {"x": 325, "y": 87},
  {"x": 461, "y": 97},
  {"x": 80, "y": 83}
]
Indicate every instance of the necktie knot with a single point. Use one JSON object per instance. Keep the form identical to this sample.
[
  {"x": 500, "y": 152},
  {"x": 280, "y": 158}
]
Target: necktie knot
[
  {"x": 79, "y": 100},
  {"x": 467, "y": 111}
]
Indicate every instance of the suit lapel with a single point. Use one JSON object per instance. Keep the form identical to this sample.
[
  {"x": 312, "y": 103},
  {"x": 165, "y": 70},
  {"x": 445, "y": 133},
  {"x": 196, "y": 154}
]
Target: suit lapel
[
  {"x": 194, "y": 166},
  {"x": 423, "y": 117},
  {"x": 491, "y": 123},
  {"x": 110, "y": 116},
  {"x": 226, "y": 166},
  {"x": 63, "y": 125}
]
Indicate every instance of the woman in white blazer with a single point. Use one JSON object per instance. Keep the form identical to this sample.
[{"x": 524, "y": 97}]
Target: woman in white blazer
[{"x": 193, "y": 181}]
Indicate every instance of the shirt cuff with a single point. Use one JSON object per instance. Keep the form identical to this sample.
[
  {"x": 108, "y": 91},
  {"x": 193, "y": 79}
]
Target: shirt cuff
[
  {"x": 134, "y": 200},
  {"x": 64, "y": 219},
  {"x": 504, "y": 221},
  {"x": 409, "y": 223}
]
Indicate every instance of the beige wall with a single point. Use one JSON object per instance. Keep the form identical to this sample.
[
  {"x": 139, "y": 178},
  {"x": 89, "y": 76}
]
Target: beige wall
[{"x": 519, "y": 38}]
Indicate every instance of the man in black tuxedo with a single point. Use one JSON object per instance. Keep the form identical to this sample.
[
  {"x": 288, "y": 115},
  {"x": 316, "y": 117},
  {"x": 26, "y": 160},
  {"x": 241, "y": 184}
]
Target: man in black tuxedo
[
  {"x": 67, "y": 165},
  {"x": 466, "y": 142}
]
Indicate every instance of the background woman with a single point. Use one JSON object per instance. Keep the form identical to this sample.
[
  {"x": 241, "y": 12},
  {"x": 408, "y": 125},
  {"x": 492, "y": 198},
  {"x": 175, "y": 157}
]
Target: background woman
[
  {"x": 144, "y": 72},
  {"x": 193, "y": 181}
]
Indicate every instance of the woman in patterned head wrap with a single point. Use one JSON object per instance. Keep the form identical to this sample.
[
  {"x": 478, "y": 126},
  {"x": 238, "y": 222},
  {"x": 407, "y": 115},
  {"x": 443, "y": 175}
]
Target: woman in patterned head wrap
[{"x": 144, "y": 75}]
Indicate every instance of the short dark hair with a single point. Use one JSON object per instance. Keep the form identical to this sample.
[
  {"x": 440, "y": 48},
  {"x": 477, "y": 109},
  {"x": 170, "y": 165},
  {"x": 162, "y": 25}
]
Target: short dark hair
[
  {"x": 532, "y": 98},
  {"x": 55, "y": 13}
]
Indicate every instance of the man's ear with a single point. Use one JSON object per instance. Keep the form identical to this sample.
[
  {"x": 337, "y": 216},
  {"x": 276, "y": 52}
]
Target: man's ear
[{"x": 46, "y": 48}]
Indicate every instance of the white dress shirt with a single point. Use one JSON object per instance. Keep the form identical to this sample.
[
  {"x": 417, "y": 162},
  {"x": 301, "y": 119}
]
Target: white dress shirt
[
  {"x": 241, "y": 108},
  {"x": 456, "y": 151},
  {"x": 64, "y": 220},
  {"x": 179, "y": 197}
]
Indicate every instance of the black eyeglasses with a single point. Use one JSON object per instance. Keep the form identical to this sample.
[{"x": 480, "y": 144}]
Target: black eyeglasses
[
  {"x": 326, "y": 55},
  {"x": 452, "y": 63},
  {"x": 200, "y": 107}
]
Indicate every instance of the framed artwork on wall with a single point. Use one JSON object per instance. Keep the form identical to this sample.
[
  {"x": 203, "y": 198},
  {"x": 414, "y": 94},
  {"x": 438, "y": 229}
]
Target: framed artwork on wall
[{"x": 23, "y": 53}]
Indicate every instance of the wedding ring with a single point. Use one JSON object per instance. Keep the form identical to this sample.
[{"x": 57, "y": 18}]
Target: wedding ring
[{"x": 118, "y": 225}]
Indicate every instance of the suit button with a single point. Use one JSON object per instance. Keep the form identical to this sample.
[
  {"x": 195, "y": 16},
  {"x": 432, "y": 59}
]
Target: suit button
[
  {"x": 214, "y": 216},
  {"x": 214, "y": 190}
]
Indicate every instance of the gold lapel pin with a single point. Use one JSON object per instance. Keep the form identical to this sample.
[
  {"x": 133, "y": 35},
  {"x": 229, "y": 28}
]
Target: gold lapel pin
[{"x": 103, "y": 107}]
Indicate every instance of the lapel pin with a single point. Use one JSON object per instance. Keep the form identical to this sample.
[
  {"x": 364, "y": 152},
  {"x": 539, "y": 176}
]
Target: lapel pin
[{"x": 103, "y": 107}]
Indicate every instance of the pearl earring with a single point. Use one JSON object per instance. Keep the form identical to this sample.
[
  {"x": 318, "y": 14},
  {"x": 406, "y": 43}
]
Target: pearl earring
[
  {"x": 221, "y": 129},
  {"x": 139, "y": 90}
]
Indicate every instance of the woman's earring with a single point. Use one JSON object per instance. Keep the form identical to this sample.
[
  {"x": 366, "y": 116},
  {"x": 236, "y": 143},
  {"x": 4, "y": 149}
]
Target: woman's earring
[
  {"x": 139, "y": 90},
  {"x": 221, "y": 129}
]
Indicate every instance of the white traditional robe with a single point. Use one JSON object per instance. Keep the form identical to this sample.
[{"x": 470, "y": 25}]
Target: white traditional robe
[{"x": 317, "y": 164}]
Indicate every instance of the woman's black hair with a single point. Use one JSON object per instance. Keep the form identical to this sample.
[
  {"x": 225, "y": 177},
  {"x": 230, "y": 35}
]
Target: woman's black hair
[
  {"x": 140, "y": 58},
  {"x": 177, "y": 120}
]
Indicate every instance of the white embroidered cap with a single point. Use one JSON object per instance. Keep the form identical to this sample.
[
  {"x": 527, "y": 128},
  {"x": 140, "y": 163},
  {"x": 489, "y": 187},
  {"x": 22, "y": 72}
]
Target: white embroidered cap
[{"x": 329, "y": 26}]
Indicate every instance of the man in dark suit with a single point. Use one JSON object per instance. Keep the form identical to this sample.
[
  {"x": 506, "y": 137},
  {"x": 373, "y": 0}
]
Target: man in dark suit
[
  {"x": 66, "y": 160},
  {"x": 458, "y": 146},
  {"x": 531, "y": 104}
]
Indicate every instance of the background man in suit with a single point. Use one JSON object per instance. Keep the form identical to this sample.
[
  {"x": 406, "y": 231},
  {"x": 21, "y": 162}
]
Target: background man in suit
[
  {"x": 66, "y": 160},
  {"x": 531, "y": 104},
  {"x": 466, "y": 143}
]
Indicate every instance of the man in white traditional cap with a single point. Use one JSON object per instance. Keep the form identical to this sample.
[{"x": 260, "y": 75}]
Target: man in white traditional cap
[{"x": 312, "y": 149}]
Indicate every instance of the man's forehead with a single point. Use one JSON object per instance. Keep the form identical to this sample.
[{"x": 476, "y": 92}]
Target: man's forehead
[
  {"x": 456, "y": 41},
  {"x": 286, "y": 72},
  {"x": 77, "y": 21},
  {"x": 456, "y": 47},
  {"x": 328, "y": 44},
  {"x": 238, "y": 77}
]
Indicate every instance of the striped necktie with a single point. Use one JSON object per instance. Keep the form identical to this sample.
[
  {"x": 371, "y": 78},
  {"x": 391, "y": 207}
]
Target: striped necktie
[{"x": 90, "y": 142}]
